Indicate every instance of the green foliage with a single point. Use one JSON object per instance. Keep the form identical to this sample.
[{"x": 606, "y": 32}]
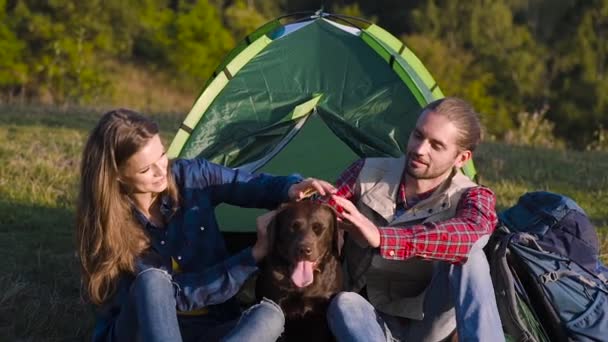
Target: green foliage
[
  {"x": 499, "y": 41},
  {"x": 152, "y": 42},
  {"x": 198, "y": 40},
  {"x": 600, "y": 140},
  {"x": 12, "y": 70},
  {"x": 534, "y": 130},
  {"x": 460, "y": 75},
  {"x": 64, "y": 40},
  {"x": 353, "y": 10},
  {"x": 581, "y": 80},
  {"x": 58, "y": 50},
  {"x": 500, "y": 67},
  {"x": 505, "y": 56},
  {"x": 242, "y": 19}
]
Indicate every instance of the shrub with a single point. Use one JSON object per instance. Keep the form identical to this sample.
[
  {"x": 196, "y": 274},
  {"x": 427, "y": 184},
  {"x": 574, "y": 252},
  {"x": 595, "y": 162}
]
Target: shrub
[
  {"x": 533, "y": 129},
  {"x": 600, "y": 140}
]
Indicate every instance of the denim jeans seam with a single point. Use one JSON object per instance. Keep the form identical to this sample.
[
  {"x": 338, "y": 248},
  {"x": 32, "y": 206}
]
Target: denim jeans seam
[
  {"x": 164, "y": 272},
  {"x": 272, "y": 303}
]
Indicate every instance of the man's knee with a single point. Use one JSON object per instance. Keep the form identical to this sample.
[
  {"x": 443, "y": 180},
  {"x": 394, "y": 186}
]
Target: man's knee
[{"x": 348, "y": 302}]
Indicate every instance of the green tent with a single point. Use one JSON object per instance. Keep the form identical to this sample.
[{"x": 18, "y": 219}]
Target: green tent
[{"x": 309, "y": 96}]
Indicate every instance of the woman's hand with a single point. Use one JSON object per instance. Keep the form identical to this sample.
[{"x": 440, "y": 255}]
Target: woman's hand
[
  {"x": 308, "y": 186},
  {"x": 362, "y": 228},
  {"x": 260, "y": 249}
]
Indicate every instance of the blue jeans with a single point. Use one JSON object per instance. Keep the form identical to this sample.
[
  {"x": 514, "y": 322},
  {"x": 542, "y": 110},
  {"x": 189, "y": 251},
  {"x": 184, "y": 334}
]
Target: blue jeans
[
  {"x": 466, "y": 288},
  {"x": 150, "y": 315}
]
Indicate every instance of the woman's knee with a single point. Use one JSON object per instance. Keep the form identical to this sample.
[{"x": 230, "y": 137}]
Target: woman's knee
[
  {"x": 269, "y": 313},
  {"x": 153, "y": 281},
  {"x": 264, "y": 320}
]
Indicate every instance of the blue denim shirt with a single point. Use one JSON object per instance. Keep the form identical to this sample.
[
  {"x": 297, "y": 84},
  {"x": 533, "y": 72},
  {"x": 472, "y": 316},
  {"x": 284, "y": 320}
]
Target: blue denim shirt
[{"x": 208, "y": 275}]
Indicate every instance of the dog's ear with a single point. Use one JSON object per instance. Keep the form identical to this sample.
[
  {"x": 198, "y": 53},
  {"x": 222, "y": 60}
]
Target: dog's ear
[
  {"x": 272, "y": 230},
  {"x": 338, "y": 234}
]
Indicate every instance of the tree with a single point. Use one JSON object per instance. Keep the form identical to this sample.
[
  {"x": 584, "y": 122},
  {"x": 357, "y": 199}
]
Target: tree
[
  {"x": 62, "y": 42},
  {"x": 505, "y": 68},
  {"x": 580, "y": 83},
  {"x": 242, "y": 18},
  {"x": 13, "y": 72},
  {"x": 198, "y": 40},
  {"x": 458, "y": 73}
]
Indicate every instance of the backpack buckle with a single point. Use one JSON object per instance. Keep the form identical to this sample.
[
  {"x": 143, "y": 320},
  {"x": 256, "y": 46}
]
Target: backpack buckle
[{"x": 549, "y": 277}]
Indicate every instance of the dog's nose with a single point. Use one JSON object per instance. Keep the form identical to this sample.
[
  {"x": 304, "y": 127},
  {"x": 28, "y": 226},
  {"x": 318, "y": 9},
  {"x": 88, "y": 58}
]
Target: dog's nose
[{"x": 305, "y": 250}]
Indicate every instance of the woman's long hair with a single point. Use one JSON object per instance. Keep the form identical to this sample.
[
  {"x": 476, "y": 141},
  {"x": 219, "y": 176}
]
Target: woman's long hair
[{"x": 108, "y": 237}]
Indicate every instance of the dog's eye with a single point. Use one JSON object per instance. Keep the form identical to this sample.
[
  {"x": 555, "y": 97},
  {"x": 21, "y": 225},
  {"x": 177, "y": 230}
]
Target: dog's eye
[
  {"x": 295, "y": 226},
  {"x": 317, "y": 228}
]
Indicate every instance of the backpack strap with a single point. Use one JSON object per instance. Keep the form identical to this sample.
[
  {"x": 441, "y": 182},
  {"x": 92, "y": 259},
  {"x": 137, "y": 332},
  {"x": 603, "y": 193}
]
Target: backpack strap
[
  {"x": 550, "y": 277},
  {"x": 603, "y": 278},
  {"x": 529, "y": 240},
  {"x": 506, "y": 287}
]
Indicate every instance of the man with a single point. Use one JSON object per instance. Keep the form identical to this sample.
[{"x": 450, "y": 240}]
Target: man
[{"x": 416, "y": 228}]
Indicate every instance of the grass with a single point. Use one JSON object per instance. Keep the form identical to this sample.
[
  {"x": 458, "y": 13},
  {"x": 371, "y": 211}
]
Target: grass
[
  {"x": 40, "y": 151},
  {"x": 39, "y": 287},
  {"x": 145, "y": 88}
]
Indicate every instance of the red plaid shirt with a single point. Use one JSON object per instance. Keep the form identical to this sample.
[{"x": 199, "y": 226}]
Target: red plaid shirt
[{"x": 449, "y": 240}]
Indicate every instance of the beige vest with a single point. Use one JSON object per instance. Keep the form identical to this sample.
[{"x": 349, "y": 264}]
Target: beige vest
[{"x": 396, "y": 287}]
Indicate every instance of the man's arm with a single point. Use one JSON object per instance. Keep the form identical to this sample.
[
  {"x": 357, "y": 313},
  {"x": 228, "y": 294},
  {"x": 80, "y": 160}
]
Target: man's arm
[
  {"x": 347, "y": 181},
  {"x": 449, "y": 240}
]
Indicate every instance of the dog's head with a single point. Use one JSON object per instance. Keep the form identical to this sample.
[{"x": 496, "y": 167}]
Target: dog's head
[{"x": 302, "y": 234}]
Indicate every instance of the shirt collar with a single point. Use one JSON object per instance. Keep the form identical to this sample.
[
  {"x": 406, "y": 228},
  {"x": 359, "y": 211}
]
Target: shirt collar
[{"x": 166, "y": 209}]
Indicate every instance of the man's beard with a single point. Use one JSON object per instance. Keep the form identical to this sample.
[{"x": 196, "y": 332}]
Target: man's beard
[{"x": 426, "y": 172}]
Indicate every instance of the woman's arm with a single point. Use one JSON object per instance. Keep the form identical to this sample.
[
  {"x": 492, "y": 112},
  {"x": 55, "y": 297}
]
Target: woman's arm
[
  {"x": 217, "y": 283},
  {"x": 214, "y": 285},
  {"x": 242, "y": 188}
]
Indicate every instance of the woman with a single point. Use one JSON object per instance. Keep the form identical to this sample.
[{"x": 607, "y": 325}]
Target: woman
[{"x": 152, "y": 255}]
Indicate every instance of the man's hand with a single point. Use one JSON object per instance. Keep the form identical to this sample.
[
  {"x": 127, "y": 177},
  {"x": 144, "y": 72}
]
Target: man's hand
[
  {"x": 308, "y": 186},
  {"x": 261, "y": 247},
  {"x": 362, "y": 228}
]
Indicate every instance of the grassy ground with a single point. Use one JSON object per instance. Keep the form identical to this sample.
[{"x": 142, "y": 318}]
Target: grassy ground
[{"x": 40, "y": 152}]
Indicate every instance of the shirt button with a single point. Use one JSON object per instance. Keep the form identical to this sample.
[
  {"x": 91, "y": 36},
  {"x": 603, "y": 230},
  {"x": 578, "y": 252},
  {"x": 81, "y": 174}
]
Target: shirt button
[
  {"x": 162, "y": 242},
  {"x": 391, "y": 253},
  {"x": 179, "y": 257},
  {"x": 202, "y": 228}
]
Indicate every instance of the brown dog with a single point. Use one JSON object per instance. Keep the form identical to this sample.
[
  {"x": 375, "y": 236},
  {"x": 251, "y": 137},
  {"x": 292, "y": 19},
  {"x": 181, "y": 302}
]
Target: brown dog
[{"x": 302, "y": 271}]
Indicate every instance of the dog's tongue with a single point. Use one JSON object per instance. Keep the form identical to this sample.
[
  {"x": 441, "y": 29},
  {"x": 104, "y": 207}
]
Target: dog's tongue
[{"x": 302, "y": 275}]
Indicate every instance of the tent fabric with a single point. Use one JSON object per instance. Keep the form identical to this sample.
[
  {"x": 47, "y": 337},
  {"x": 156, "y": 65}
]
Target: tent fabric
[{"x": 314, "y": 95}]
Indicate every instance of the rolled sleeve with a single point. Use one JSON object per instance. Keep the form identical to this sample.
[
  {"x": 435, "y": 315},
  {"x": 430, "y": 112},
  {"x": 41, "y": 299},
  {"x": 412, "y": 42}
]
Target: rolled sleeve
[{"x": 450, "y": 240}]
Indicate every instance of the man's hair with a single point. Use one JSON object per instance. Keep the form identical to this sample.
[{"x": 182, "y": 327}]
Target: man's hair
[{"x": 463, "y": 116}]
